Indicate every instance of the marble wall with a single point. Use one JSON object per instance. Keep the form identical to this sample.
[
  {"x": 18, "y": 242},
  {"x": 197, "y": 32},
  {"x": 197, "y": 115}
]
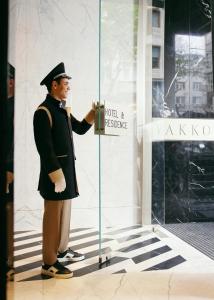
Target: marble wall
[
  {"x": 183, "y": 181},
  {"x": 42, "y": 34}
]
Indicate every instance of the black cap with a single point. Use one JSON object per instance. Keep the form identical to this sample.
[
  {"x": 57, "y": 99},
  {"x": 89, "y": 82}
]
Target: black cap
[
  {"x": 11, "y": 71},
  {"x": 58, "y": 71}
]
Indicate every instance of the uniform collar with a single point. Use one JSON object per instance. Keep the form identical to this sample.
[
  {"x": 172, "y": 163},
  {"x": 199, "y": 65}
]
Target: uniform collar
[{"x": 51, "y": 99}]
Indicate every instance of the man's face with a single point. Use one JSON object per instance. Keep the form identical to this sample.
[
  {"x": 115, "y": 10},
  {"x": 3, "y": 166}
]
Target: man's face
[{"x": 61, "y": 89}]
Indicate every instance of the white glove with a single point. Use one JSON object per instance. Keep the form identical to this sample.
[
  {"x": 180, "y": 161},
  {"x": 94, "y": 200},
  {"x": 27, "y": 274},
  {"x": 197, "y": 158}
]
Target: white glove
[{"x": 60, "y": 185}]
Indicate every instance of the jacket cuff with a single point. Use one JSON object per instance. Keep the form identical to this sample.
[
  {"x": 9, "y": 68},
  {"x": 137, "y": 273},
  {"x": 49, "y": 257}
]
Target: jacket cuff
[
  {"x": 56, "y": 175},
  {"x": 90, "y": 117}
]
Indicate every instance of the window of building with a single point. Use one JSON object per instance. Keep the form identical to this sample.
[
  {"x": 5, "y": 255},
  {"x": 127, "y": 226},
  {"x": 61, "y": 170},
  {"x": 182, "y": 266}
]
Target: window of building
[
  {"x": 180, "y": 100},
  {"x": 197, "y": 86},
  {"x": 196, "y": 100},
  {"x": 155, "y": 57},
  {"x": 180, "y": 86},
  {"x": 209, "y": 82},
  {"x": 155, "y": 18}
]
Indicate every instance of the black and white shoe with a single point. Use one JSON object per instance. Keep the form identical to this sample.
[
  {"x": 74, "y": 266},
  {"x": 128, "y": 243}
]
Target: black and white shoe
[
  {"x": 56, "y": 270},
  {"x": 70, "y": 255}
]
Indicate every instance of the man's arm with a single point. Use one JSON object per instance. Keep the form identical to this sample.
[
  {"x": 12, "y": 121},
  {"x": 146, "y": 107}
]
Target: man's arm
[
  {"x": 83, "y": 126},
  {"x": 44, "y": 144}
]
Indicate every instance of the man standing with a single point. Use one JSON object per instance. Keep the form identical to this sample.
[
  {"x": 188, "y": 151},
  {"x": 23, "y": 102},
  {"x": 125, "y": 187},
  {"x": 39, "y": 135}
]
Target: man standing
[{"x": 53, "y": 127}]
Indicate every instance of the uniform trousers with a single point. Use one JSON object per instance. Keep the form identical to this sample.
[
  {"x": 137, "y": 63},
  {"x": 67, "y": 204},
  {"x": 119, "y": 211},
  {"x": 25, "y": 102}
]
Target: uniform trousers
[{"x": 56, "y": 228}]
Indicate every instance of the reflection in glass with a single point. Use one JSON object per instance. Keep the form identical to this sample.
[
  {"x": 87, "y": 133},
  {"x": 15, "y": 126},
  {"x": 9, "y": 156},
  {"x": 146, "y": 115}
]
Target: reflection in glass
[
  {"x": 156, "y": 57},
  {"x": 155, "y": 18},
  {"x": 188, "y": 73},
  {"x": 193, "y": 84},
  {"x": 159, "y": 108}
]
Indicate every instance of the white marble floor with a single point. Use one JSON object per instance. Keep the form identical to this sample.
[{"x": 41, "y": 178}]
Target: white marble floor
[
  {"x": 147, "y": 264},
  {"x": 152, "y": 285}
]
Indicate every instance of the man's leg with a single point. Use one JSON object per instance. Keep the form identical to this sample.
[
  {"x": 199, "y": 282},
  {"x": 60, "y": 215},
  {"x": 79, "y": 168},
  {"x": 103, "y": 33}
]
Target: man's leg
[
  {"x": 65, "y": 253},
  {"x": 65, "y": 226},
  {"x": 51, "y": 240},
  {"x": 51, "y": 230}
]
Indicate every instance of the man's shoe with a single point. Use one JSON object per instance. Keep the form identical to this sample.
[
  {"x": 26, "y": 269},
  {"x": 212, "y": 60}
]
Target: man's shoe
[
  {"x": 70, "y": 255},
  {"x": 56, "y": 270}
]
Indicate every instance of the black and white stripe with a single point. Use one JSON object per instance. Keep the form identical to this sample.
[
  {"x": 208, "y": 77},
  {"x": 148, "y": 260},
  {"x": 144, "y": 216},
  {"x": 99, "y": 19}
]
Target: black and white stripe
[{"x": 133, "y": 248}]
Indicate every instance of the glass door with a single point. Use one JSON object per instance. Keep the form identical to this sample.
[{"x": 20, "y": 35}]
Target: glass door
[{"x": 120, "y": 149}]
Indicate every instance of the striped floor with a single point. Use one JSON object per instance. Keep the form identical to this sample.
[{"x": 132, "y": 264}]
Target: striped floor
[{"x": 132, "y": 249}]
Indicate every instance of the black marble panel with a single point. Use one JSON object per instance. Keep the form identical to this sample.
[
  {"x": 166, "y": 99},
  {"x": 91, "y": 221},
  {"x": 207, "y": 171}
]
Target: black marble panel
[
  {"x": 168, "y": 264},
  {"x": 120, "y": 271},
  {"x": 148, "y": 255},
  {"x": 188, "y": 183},
  {"x": 196, "y": 198},
  {"x": 139, "y": 245},
  {"x": 158, "y": 182}
]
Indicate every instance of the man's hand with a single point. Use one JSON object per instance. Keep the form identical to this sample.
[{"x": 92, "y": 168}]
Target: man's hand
[
  {"x": 93, "y": 106},
  {"x": 91, "y": 115},
  {"x": 57, "y": 177},
  {"x": 60, "y": 185}
]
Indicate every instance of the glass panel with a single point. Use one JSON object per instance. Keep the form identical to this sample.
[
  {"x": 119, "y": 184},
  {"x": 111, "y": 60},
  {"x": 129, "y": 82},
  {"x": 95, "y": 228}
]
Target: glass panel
[
  {"x": 189, "y": 60},
  {"x": 160, "y": 109},
  {"x": 119, "y": 148},
  {"x": 184, "y": 157}
]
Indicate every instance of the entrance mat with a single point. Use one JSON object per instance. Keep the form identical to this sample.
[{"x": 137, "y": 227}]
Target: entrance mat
[{"x": 198, "y": 235}]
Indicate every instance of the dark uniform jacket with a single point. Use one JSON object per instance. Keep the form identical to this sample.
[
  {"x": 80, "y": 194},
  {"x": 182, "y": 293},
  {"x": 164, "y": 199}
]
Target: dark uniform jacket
[{"x": 55, "y": 146}]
